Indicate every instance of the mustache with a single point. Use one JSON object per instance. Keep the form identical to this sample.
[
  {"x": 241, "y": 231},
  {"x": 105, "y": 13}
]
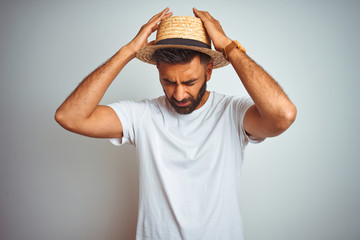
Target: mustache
[{"x": 182, "y": 101}]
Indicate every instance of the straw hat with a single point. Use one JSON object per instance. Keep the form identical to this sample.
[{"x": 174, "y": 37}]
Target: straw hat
[{"x": 186, "y": 33}]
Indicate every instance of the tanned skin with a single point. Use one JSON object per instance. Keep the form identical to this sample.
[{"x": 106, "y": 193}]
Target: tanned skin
[{"x": 271, "y": 114}]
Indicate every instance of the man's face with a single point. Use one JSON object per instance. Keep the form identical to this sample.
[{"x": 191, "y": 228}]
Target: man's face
[{"x": 185, "y": 84}]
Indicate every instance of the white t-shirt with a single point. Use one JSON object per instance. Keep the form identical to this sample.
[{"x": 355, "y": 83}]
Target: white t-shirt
[{"x": 189, "y": 167}]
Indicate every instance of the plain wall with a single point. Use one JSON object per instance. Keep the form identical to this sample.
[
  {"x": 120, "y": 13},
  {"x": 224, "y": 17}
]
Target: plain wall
[{"x": 57, "y": 185}]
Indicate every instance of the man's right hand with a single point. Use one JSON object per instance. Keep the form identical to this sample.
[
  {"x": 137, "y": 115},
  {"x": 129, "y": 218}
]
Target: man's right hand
[{"x": 141, "y": 39}]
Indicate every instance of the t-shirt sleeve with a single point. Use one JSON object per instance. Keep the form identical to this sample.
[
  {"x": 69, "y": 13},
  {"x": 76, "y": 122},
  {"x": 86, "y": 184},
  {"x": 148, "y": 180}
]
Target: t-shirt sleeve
[
  {"x": 129, "y": 113},
  {"x": 241, "y": 105}
]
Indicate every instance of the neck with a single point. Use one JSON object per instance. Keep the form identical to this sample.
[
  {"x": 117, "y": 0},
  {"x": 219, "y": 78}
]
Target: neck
[{"x": 203, "y": 100}]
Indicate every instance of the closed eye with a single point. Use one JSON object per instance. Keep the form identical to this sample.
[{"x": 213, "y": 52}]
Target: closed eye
[
  {"x": 187, "y": 83},
  {"x": 190, "y": 82},
  {"x": 168, "y": 82}
]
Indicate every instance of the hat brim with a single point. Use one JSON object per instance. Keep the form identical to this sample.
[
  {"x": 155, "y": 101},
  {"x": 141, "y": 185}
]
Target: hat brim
[{"x": 217, "y": 58}]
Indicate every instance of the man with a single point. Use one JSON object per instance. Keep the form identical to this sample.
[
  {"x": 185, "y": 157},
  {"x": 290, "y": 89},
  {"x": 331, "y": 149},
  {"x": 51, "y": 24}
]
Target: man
[{"x": 190, "y": 142}]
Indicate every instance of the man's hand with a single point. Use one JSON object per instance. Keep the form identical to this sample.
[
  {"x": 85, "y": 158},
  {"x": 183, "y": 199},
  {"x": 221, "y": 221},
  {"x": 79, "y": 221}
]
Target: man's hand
[
  {"x": 214, "y": 29},
  {"x": 141, "y": 39}
]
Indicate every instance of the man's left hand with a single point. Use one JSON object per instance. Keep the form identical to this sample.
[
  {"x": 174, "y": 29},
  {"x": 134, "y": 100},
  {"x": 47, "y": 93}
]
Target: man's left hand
[{"x": 214, "y": 29}]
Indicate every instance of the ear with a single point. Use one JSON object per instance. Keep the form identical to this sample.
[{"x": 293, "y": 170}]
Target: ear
[{"x": 208, "y": 70}]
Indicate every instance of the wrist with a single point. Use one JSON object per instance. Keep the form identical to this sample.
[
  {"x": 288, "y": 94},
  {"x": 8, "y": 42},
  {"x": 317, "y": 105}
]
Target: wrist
[
  {"x": 129, "y": 51},
  {"x": 226, "y": 43},
  {"x": 230, "y": 47},
  {"x": 221, "y": 43}
]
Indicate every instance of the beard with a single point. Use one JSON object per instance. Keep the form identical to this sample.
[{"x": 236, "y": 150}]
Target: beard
[{"x": 194, "y": 102}]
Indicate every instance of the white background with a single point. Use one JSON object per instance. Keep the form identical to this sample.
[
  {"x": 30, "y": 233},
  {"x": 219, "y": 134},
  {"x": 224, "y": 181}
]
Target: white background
[{"x": 57, "y": 185}]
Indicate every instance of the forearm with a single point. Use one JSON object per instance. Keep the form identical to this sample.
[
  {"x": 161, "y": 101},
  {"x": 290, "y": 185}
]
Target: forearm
[
  {"x": 263, "y": 89},
  {"x": 86, "y": 97},
  {"x": 273, "y": 105}
]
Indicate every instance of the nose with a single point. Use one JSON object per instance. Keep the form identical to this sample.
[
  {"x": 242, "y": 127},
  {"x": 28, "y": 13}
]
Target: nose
[{"x": 179, "y": 93}]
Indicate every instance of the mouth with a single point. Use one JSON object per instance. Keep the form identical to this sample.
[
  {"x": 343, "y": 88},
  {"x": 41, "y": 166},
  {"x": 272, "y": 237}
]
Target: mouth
[{"x": 182, "y": 103}]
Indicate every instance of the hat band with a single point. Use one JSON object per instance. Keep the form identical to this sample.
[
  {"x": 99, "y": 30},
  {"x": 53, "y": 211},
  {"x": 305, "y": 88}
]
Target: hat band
[{"x": 183, "y": 42}]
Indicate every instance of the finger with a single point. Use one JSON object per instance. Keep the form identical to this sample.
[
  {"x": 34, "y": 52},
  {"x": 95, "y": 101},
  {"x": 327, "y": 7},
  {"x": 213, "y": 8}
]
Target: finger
[
  {"x": 167, "y": 15},
  {"x": 154, "y": 28},
  {"x": 203, "y": 15},
  {"x": 152, "y": 23},
  {"x": 158, "y": 16},
  {"x": 196, "y": 12}
]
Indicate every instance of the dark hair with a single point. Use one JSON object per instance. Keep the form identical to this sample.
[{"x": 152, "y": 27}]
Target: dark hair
[{"x": 178, "y": 55}]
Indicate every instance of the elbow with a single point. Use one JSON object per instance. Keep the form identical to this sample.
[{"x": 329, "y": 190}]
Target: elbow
[
  {"x": 286, "y": 118},
  {"x": 291, "y": 114},
  {"x": 60, "y": 118},
  {"x": 63, "y": 120}
]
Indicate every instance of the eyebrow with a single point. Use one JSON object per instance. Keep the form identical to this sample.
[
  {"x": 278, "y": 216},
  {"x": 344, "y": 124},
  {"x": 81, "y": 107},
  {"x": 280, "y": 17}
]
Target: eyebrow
[{"x": 185, "y": 82}]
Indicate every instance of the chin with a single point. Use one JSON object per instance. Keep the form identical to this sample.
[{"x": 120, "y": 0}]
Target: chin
[{"x": 183, "y": 110}]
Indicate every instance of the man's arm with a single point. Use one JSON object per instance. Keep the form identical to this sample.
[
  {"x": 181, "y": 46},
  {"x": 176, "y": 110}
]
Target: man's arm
[
  {"x": 273, "y": 112},
  {"x": 81, "y": 112}
]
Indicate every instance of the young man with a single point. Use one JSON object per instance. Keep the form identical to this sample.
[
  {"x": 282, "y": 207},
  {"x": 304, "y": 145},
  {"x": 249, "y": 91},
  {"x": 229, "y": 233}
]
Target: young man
[{"x": 190, "y": 142}]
